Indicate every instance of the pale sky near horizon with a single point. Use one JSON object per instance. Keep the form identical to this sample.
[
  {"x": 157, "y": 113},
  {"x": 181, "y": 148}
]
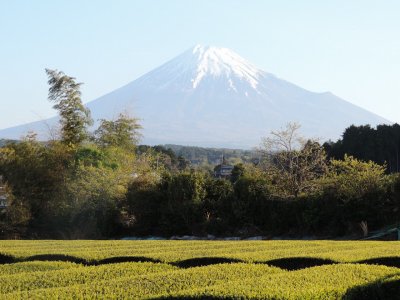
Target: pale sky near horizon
[{"x": 350, "y": 48}]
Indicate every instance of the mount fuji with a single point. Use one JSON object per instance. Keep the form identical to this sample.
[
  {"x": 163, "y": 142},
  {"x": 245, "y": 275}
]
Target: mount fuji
[{"x": 211, "y": 96}]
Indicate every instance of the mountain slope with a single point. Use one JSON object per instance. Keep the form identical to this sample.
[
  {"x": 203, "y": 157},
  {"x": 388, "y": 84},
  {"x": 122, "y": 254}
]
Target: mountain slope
[{"x": 210, "y": 96}]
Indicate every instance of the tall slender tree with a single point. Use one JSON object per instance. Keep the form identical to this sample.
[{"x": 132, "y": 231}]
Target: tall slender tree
[{"x": 65, "y": 92}]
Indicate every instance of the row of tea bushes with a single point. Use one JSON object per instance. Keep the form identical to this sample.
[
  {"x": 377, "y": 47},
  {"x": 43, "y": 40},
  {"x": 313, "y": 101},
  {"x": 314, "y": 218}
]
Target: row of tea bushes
[{"x": 244, "y": 281}]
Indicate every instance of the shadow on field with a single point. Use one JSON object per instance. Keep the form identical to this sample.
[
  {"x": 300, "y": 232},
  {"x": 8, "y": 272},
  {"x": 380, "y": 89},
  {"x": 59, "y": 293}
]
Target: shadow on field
[
  {"x": 6, "y": 259},
  {"x": 204, "y": 297},
  {"x": 122, "y": 259},
  {"x": 57, "y": 257},
  {"x": 78, "y": 260},
  {"x": 386, "y": 288},
  {"x": 287, "y": 263},
  {"x": 390, "y": 261},
  {"x": 205, "y": 261},
  {"x": 298, "y": 263}
]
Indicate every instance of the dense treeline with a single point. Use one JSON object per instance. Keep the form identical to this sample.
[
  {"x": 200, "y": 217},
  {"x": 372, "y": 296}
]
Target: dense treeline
[
  {"x": 293, "y": 191},
  {"x": 380, "y": 145},
  {"x": 212, "y": 156},
  {"x": 102, "y": 184}
]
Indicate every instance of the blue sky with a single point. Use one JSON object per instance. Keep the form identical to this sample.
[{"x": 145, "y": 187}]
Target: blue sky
[{"x": 351, "y": 48}]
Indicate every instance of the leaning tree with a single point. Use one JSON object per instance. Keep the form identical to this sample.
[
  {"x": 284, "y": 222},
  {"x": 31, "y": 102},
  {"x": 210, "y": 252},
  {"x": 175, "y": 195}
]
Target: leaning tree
[{"x": 65, "y": 92}]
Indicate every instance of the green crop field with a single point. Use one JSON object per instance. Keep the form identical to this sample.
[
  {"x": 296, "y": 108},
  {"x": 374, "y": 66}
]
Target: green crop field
[{"x": 199, "y": 269}]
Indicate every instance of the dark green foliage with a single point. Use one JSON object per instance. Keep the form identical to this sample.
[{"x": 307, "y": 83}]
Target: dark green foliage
[
  {"x": 237, "y": 172},
  {"x": 181, "y": 203},
  {"x": 146, "y": 204},
  {"x": 35, "y": 173},
  {"x": 185, "y": 195},
  {"x": 380, "y": 145},
  {"x": 71, "y": 190},
  {"x": 252, "y": 197},
  {"x": 217, "y": 206}
]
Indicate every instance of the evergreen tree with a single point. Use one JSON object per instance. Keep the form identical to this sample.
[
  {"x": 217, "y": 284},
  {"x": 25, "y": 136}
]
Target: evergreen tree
[{"x": 380, "y": 145}]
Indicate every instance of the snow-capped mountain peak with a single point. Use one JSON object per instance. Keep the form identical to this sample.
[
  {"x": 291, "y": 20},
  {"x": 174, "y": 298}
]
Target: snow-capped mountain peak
[
  {"x": 200, "y": 63},
  {"x": 216, "y": 62},
  {"x": 211, "y": 96}
]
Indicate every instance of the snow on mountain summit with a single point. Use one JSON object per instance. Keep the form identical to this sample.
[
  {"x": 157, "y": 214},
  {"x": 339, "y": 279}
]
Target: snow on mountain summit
[
  {"x": 222, "y": 61},
  {"x": 195, "y": 65}
]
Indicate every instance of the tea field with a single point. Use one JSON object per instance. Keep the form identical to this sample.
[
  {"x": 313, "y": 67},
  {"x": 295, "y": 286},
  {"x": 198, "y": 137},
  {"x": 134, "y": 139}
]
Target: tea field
[{"x": 199, "y": 270}]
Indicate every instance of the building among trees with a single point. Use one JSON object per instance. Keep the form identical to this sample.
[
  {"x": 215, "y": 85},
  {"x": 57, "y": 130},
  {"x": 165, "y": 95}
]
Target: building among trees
[{"x": 223, "y": 170}]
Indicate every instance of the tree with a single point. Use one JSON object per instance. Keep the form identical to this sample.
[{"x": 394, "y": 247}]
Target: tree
[
  {"x": 97, "y": 189},
  {"x": 217, "y": 205},
  {"x": 123, "y": 132},
  {"x": 253, "y": 192},
  {"x": 219, "y": 195},
  {"x": 380, "y": 145},
  {"x": 74, "y": 117},
  {"x": 237, "y": 171},
  {"x": 352, "y": 178},
  {"x": 292, "y": 161},
  {"x": 36, "y": 173},
  {"x": 186, "y": 192}
]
